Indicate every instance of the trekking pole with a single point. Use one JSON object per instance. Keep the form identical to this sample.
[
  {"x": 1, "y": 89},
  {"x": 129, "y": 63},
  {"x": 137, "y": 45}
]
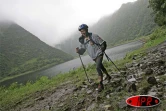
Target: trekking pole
[
  {"x": 84, "y": 69},
  {"x": 111, "y": 61}
]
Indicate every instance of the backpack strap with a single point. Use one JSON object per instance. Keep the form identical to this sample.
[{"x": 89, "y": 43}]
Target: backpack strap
[{"x": 90, "y": 37}]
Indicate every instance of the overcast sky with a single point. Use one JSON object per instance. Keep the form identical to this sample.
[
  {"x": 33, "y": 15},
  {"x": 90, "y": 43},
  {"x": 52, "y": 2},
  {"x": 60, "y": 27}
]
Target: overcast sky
[{"x": 54, "y": 20}]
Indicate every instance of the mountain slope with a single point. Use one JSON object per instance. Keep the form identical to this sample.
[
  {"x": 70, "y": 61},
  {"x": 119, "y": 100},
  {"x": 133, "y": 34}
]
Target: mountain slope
[
  {"x": 132, "y": 20},
  {"x": 20, "y": 51}
]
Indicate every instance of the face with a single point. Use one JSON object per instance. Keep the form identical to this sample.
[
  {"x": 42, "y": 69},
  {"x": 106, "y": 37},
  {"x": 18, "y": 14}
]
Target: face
[{"x": 83, "y": 32}]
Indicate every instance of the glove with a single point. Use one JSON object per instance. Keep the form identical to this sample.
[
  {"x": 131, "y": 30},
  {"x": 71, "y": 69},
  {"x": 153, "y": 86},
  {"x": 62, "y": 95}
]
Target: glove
[{"x": 77, "y": 49}]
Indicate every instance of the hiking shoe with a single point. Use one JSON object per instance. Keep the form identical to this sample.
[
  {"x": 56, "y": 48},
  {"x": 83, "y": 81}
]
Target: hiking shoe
[
  {"x": 100, "y": 87},
  {"x": 108, "y": 78}
]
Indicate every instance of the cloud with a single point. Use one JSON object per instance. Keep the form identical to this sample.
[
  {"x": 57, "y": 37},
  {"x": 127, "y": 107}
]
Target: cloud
[{"x": 54, "y": 20}]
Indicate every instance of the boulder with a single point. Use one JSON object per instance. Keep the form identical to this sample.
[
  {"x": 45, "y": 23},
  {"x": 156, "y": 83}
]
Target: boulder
[{"x": 152, "y": 80}]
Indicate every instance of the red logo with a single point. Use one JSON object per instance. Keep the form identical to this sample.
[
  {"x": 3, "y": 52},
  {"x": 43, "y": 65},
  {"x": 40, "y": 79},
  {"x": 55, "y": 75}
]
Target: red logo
[{"x": 143, "y": 101}]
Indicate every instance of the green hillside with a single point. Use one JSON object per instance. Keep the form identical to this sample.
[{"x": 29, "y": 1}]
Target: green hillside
[
  {"x": 131, "y": 21},
  {"x": 20, "y": 51}
]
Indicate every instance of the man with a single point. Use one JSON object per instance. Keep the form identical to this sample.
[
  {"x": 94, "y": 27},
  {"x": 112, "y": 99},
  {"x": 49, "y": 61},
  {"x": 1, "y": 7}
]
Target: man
[{"x": 95, "y": 47}]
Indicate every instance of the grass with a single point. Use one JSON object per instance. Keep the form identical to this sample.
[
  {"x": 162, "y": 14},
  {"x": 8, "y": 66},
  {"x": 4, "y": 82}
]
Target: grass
[{"x": 15, "y": 93}]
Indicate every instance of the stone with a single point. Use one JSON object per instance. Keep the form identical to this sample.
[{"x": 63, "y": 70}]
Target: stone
[
  {"x": 89, "y": 92},
  {"x": 115, "y": 75},
  {"x": 75, "y": 94},
  {"x": 85, "y": 86},
  {"x": 47, "y": 107},
  {"x": 152, "y": 80},
  {"x": 128, "y": 65},
  {"x": 108, "y": 108},
  {"x": 149, "y": 71},
  {"x": 39, "y": 98},
  {"x": 82, "y": 89},
  {"x": 122, "y": 104},
  {"x": 61, "y": 104},
  {"x": 152, "y": 93},
  {"x": 118, "y": 89},
  {"x": 160, "y": 94},
  {"x": 139, "y": 78},
  {"x": 75, "y": 89},
  {"x": 91, "y": 107},
  {"x": 123, "y": 72},
  {"x": 160, "y": 62},
  {"x": 161, "y": 72},
  {"x": 132, "y": 80},
  {"x": 108, "y": 96},
  {"x": 98, "y": 98},
  {"x": 164, "y": 83},
  {"x": 143, "y": 66}
]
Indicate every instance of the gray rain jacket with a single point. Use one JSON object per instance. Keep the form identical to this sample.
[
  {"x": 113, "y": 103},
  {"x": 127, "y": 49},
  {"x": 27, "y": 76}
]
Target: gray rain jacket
[{"x": 93, "y": 45}]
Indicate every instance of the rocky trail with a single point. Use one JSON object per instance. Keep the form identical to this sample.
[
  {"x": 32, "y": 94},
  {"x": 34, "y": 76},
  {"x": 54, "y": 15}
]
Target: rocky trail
[{"x": 145, "y": 75}]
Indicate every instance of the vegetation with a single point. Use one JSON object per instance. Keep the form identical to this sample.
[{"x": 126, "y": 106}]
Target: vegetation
[
  {"x": 22, "y": 52},
  {"x": 159, "y": 8},
  {"x": 17, "y": 93}
]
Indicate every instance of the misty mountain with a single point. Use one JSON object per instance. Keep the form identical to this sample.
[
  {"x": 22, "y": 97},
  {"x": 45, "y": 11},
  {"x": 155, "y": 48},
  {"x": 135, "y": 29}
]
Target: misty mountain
[
  {"x": 21, "y": 51},
  {"x": 131, "y": 21}
]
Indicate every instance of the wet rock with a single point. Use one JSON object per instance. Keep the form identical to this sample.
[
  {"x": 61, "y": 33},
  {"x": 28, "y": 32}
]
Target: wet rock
[
  {"x": 85, "y": 86},
  {"x": 122, "y": 104},
  {"x": 81, "y": 101},
  {"x": 144, "y": 66},
  {"x": 128, "y": 65},
  {"x": 123, "y": 72},
  {"x": 148, "y": 71},
  {"x": 145, "y": 90},
  {"x": 152, "y": 93},
  {"x": 75, "y": 89},
  {"x": 132, "y": 80},
  {"x": 82, "y": 89},
  {"x": 150, "y": 64},
  {"x": 75, "y": 94},
  {"x": 108, "y": 108},
  {"x": 89, "y": 92},
  {"x": 160, "y": 62},
  {"x": 160, "y": 89},
  {"x": 47, "y": 107},
  {"x": 152, "y": 80},
  {"x": 61, "y": 104},
  {"x": 98, "y": 98},
  {"x": 160, "y": 94},
  {"x": 39, "y": 98},
  {"x": 108, "y": 96},
  {"x": 118, "y": 80},
  {"x": 161, "y": 72},
  {"x": 115, "y": 75},
  {"x": 164, "y": 83},
  {"x": 118, "y": 89},
  {"x": 91, "y": 107},
  {"x": 139, "y": 78}
]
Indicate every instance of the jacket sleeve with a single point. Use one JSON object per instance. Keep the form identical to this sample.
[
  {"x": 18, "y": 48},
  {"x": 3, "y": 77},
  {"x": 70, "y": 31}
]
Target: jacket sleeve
[{"x": 82, "y": 49}]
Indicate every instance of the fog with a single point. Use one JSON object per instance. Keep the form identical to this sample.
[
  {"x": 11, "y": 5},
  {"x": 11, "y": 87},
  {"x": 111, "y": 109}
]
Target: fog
[{"x": 53, "y": 21}]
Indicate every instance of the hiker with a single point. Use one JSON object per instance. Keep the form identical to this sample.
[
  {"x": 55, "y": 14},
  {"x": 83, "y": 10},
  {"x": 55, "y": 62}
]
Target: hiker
[{"x": 95, "y": 47}]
